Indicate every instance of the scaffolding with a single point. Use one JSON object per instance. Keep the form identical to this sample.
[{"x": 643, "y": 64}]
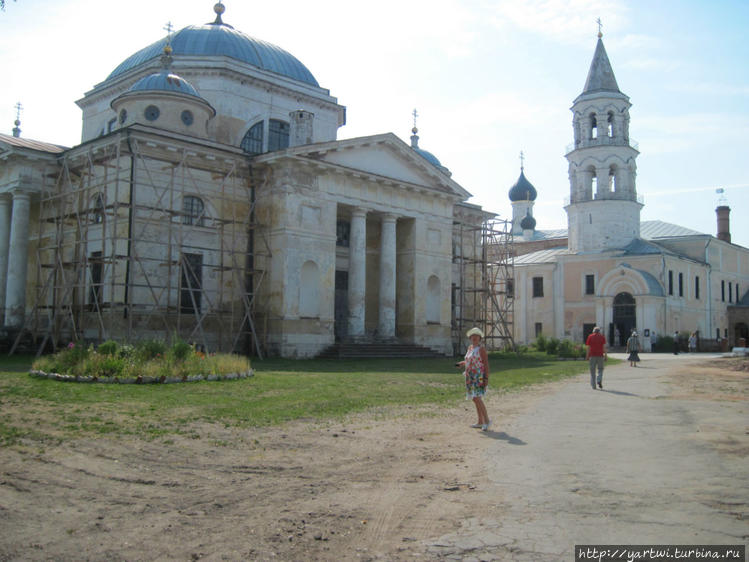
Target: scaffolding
[
  {"x": 483, "y": 294},
  {"x": 147, "y": 236}
]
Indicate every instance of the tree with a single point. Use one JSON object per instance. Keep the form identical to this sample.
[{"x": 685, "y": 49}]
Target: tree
[{"x": 2, "y": 5}]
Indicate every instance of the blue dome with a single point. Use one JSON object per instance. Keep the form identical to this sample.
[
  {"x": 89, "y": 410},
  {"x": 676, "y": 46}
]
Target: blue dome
[
  {"x": 428, "y": 156},
  {"x": 164, "y": 82},
  {"x": 528, "y": 223},
  {"x": 523, "y": 190},
  {"x": 219, "y": 39}
]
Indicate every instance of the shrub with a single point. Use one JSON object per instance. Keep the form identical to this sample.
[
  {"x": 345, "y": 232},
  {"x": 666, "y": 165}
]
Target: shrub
[
  {"x": 109, "y": 347},
  {"x": 150, "y": 349},
  {"x": 567, "y": 349},
  {"x": 552, "y": 345},
  {"x": 180, "y": 350},
  {"x": 664, "y": 343},
  {"x": 540, "y": 342}
]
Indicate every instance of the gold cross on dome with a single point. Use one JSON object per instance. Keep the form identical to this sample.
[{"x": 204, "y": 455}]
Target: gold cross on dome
[
  {"x": 600, "y": 25},
  {"x": 415, "y": 114},
  {"x": 168, "y": 28},
  {"x": 522, "y": 159},
  {"x": 18, "y": 107}
]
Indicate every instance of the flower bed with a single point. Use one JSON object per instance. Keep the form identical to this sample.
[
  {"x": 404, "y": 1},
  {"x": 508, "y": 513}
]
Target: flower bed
[{"x": 149, "y": 362}]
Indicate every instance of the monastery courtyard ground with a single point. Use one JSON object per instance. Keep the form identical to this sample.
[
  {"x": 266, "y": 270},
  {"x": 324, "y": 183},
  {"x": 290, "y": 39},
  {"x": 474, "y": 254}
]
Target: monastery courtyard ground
[{"x": 658, "y": 457}]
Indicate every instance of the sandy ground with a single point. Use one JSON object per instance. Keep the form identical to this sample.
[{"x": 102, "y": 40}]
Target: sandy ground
[{"x": 391, "y": 485}]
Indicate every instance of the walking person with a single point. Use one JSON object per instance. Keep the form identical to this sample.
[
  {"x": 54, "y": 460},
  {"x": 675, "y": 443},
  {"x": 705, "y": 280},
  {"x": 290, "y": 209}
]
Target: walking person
[
  {"x": 633, "y": 347},
  {"x": 693, "y": 342},
  {"x": 476, "y": 371},
  {"x": 596, "y": 355}
]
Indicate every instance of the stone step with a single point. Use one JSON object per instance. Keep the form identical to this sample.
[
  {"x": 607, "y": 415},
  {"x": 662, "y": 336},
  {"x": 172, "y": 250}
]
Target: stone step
[{"x": 378, "y": 351}]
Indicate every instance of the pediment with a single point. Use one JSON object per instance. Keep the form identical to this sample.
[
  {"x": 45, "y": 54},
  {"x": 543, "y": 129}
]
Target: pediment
[{"x": 382, "y": 156}]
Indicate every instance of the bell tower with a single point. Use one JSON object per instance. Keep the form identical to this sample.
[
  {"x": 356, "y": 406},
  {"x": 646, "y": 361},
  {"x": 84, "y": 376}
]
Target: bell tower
[{"x": 603, "y": 210}]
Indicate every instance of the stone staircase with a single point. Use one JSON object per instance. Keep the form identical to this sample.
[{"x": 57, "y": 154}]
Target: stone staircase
[{"x": 378, "y": 350}]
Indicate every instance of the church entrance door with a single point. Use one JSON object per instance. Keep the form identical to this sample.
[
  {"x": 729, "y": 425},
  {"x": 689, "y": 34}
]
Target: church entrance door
[
  {"x": 340, "y": 325},
  {"x": 625, "y": 319}
]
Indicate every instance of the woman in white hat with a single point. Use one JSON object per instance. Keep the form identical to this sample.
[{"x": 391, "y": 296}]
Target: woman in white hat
[
  {"x": 476, "y": 370},
  {"x": 633, "y": 347}
]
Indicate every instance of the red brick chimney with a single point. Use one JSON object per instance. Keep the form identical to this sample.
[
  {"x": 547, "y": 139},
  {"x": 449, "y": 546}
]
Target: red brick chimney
[{"x": 724, "y": 230}]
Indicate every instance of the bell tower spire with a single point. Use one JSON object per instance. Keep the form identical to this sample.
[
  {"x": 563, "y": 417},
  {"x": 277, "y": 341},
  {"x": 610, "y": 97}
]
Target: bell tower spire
[{"x": 603, "y": 210}]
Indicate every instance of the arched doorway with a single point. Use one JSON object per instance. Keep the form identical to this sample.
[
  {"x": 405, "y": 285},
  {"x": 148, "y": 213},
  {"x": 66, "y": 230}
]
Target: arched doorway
[
  {"x": 740, "y": 332},
  {"x": 625, "y": 318}
]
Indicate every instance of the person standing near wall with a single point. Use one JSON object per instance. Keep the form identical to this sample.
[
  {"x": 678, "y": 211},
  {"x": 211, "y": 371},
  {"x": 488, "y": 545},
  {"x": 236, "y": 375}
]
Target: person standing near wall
[
  {"x": 693, "y": 342},
  {"x": 596, "y": 355}
]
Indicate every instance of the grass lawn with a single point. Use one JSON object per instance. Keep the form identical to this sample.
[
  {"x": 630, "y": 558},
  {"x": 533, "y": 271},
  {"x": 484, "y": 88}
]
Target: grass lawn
[{"x": 50, "y": 411}]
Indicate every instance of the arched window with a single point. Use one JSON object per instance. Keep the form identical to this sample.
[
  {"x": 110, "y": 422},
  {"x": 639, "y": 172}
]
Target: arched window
[
  {"x": 252, "y": 143},
  {"x": 593, "y": 126},
  {"x": 193, "y": 210},
  {"x": 610, "y": 125},
  {"x": 309, "y": 298},
  {"x": 98, "y": 215},
  {"x": 278, "y": 135},
  {"x": 433, "y": 300}
]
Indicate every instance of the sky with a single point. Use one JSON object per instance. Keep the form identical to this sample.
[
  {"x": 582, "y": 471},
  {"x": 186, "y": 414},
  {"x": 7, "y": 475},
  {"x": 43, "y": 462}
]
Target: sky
[{"x": 488, "y": 78}]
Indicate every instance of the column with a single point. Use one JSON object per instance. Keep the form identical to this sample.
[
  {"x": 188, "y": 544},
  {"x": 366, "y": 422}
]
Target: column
[
  {"x": 357, "y": 273},
  {"x": 386, "y": 327},
  {"x": 5, "y": 203},
  {"x": 15, "y": 294}
]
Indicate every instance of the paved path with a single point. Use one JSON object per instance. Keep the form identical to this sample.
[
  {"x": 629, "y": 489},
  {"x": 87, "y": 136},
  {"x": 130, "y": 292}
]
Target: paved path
[{"x": 629, "y": 465}]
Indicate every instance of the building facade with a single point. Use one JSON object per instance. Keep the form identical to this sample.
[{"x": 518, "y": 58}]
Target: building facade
[
  {"x": 609, "y": 269},
  {"x": 210, "y": 199}
]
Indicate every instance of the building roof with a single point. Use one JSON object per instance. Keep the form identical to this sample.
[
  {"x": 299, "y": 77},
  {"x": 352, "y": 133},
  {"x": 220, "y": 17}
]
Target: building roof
[
  {"x": 652, "y": 230},
  {"x": 165, "y": 82},
  {"x": 542, "y": 256},
  {"x": 600, "y": 76},
  {"x": 523, "y": 190},
  {"x": 32, "y": 144},
  {"x": 220, "y": 39}
]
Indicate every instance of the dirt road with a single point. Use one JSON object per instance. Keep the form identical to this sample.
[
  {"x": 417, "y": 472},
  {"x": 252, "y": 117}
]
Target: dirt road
[{"x": 658, "y": 457}]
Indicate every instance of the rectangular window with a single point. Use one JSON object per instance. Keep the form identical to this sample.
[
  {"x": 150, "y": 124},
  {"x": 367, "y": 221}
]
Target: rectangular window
[
  {"x": 95, "y": 267},
  {"x": 670, "y": 282},
  {"x": 681, "y": 284},
  {"x": 343, "y": 233},
  {"x": 539, "y": 328},
  {"x": 717, "y": 333},
  {"x": 511, "y": 288},
  {"x": 737, "y": 293},
  {"x": 191, "y": 283},
  {"x": 730, "y": 292},
  {"x": 722, "y": 291},
  {"x": 538, "y": 286},
  {"x": 590, "y": 284},
  {"x": 278, "y": 135},
  {"x": 697, "y": 287}
]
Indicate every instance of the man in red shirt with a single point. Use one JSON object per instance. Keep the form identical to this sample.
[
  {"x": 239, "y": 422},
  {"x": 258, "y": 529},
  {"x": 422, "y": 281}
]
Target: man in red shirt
[{"x": 596, "y": 343}]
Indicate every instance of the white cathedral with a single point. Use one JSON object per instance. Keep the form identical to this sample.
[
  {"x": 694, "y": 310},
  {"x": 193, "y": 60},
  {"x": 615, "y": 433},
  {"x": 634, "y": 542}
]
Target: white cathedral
[
  {"x": 210, "y": 198},
  {"x": 610, "y": 269}
]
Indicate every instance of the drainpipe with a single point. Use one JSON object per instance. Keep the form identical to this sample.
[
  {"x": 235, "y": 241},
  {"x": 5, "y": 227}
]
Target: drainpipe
[
  {"x": 709, "y": 291},
  {"x": 130, "y": 219}
]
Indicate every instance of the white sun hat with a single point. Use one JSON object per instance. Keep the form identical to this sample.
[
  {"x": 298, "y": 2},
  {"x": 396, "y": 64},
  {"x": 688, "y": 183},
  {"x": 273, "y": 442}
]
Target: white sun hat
[{"x": 476, "y": 331}]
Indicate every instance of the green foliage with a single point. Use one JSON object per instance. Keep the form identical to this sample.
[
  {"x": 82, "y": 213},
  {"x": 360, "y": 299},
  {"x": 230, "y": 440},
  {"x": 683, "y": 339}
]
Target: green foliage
[
  {"x": 568, "y": 349},
  {"x": 109, "y": 347},
  {"x": 150, "y": 349},
  {"x": 664, "y": 344},
  {"x": 540, "y": 343},
  {"x": 180, "y": 350},
  {"x": 552, "y": 345},
  {"x": 147, "y": 359}
]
